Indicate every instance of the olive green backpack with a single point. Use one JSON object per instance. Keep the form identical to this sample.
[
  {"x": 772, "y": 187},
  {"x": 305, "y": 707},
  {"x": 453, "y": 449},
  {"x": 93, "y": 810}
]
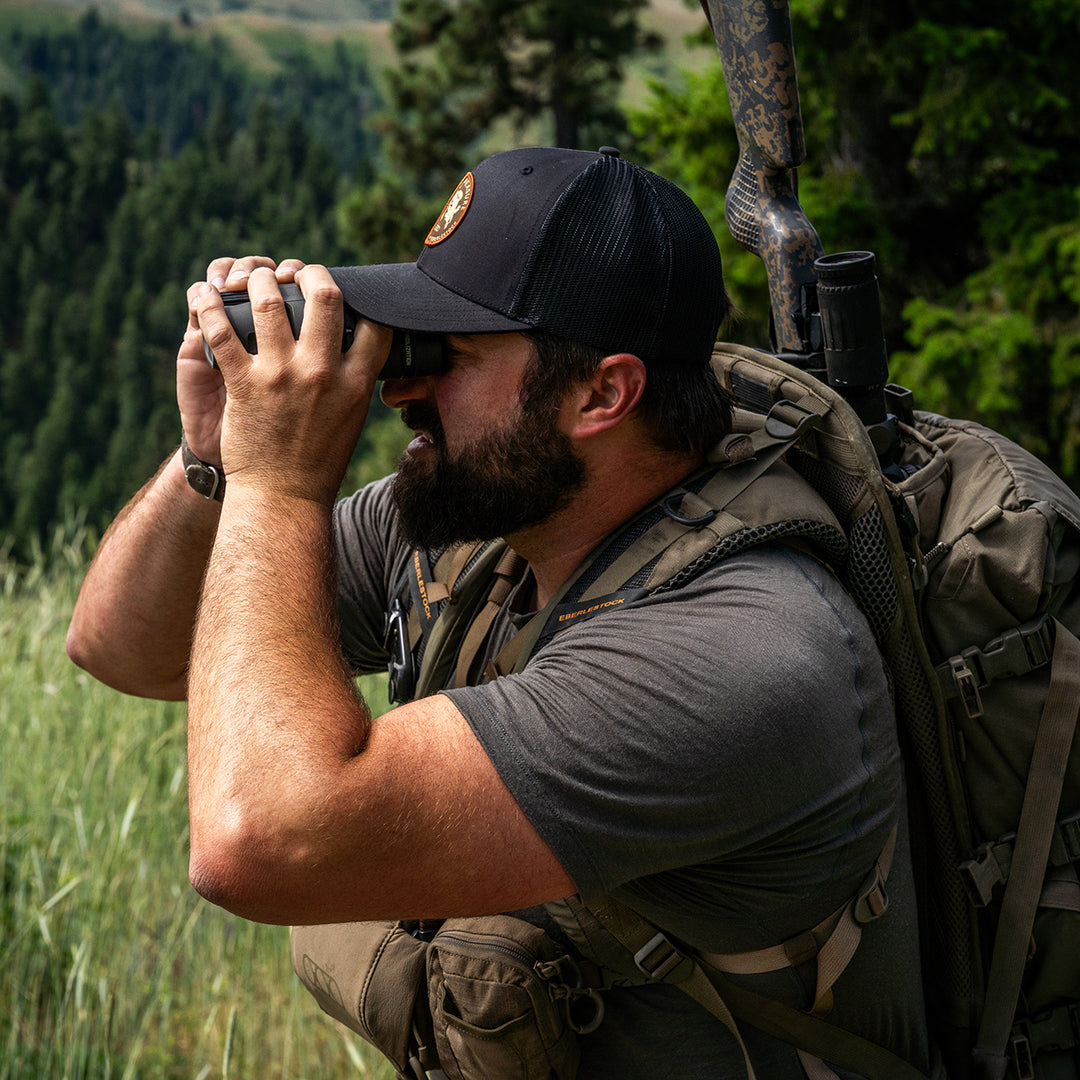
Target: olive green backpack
[
  {"x": 977, "y": 610},
  {"x": 966, "y": 565}
]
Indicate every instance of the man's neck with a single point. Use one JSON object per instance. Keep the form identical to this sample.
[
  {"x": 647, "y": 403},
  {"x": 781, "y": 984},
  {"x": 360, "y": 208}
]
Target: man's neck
[{"x": 611, "y": 497}]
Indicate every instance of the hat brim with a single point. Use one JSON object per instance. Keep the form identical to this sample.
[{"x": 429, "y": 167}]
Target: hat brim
[{"x": 402, "y": 296}]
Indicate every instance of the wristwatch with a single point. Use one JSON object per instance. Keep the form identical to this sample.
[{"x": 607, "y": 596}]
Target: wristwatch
[{"x": 208, "y": 480}]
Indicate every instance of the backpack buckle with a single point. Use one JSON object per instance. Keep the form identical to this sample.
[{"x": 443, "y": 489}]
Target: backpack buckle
[
  {"x": 789, "y": 420},
  {"x": 1023, "y": 1062},
  {"x": 659, "y": 959},
  {"x": 1013, "y": 653},
  {"x": 967, "y": 685},
  {"x": 983, "y": 872},
  {"x": 1069, "y": 831}
]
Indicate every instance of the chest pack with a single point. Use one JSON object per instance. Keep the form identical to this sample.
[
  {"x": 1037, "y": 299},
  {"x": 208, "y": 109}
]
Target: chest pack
[{"x": 965, "y": 563}]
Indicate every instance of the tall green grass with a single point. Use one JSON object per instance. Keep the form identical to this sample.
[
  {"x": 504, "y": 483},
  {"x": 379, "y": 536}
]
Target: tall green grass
[{"x": 110, "y": 965}]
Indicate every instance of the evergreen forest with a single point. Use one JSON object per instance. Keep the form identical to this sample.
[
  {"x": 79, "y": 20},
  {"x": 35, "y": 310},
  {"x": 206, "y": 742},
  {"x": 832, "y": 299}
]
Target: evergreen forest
[{"x": 131, "y": 154}]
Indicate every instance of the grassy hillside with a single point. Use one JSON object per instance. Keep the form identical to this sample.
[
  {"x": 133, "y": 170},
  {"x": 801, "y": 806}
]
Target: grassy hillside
[{"x": 110, "y": 965}]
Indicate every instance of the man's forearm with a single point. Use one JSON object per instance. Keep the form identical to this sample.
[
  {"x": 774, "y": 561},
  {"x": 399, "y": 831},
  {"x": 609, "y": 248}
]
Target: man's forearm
[
  {"x": 273, "y": 720},
  {"x": 133, "y": 623}
]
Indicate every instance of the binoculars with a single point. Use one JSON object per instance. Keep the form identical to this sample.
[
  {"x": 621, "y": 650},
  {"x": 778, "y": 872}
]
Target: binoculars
[{"x": 412, "y": 355}]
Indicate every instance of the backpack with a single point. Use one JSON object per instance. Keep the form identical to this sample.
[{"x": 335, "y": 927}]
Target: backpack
[
  {"x": 965, "y": 561},
  {"x": 974, "y": 596}
]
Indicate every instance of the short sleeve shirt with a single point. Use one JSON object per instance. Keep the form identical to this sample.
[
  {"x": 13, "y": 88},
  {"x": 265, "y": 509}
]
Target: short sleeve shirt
[{"x": 721, "y": 757}]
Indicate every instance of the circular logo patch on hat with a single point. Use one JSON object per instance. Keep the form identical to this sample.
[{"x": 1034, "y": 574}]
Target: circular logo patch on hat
[{"x": 453, "y": 211}]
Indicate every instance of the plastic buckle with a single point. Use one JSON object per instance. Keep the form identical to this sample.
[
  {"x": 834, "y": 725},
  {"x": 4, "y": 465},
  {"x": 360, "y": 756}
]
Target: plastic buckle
[
  {"x": 1023, "y": 1062},
  {"x": 982, "y": 874},
  {"x": 1069, "y": 830},
  {"x": 967, "y": 684},
  {"x": 873, "y": 900},
  {"x": 1014, "y": 653},
  {"x": 1038, "y": 638},
  {"x": 1020, "y": 650},
  {"x": 790, "y": 420},
  {"x": 659, "y": 959}
]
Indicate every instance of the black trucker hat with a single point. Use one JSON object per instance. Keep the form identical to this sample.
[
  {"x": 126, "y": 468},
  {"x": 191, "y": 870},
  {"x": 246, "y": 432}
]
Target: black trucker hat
[{"x": 583, "y": 245}]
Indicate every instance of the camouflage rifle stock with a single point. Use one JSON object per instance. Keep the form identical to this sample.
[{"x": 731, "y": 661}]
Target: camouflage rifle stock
[
  {"x": 825, "y": 309},
  {"x": 761, "y": 208}
]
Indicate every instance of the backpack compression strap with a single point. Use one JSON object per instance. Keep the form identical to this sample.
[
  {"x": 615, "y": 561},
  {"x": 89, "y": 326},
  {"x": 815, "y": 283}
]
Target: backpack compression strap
[
  {"x": 1046, "y": 777},
  {"x": 611, "y": 934}
]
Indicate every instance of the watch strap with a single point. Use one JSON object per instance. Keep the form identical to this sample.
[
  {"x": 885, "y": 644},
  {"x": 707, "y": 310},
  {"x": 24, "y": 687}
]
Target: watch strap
[{"x": 208, "y": 480}]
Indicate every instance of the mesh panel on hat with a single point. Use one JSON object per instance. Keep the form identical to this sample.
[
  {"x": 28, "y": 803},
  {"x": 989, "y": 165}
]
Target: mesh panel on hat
[
  {"x": 697, "y": 300},
  {"x": 623, "y": 263}
]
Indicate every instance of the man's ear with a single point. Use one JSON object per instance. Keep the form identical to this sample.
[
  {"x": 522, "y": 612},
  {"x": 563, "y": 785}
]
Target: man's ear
[{"x": 608, "y": 398}]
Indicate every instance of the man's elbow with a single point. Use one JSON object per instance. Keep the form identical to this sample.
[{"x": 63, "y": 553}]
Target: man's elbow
[
  {"x": 247, "y": 873},
  {"x": 220, "y": 883},
  {"x": 96, "y": 658},
  {"x": 84, "y": 652},
  {"x": 80, "y": 650}
]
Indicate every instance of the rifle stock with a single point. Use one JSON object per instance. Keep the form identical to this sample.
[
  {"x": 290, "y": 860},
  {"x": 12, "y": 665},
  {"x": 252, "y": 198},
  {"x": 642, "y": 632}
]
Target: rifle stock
[
  {"x": 825, "y": 310},
  {"x": 762, "y": 209}
]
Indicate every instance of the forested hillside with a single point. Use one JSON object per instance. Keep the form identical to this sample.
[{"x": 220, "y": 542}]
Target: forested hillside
[
  {"x": 125, "y": 162},
  {"x": 167, "y": 84}
]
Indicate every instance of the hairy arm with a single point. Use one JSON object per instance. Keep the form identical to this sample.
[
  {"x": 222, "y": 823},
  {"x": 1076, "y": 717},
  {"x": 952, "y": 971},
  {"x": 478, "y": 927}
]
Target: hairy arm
[
  {"x": 304, "y": 809},
  {"x": 133, "y": 620}
]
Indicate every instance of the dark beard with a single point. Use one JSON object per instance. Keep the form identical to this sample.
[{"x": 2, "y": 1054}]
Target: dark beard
[{"x": 503, "y": 482}]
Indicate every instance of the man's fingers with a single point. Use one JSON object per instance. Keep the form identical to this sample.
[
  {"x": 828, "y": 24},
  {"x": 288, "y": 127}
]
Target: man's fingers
[
  {"x": 288, "y": 269},
  {"x": 214, "y": 325},
  {"x": 323, "y": 314},
  {"x": 273, "y": 332}
]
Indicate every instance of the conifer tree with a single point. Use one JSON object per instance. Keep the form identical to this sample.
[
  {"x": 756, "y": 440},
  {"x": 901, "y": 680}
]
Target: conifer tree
[
  {"x": 555, "y": 65},
  {"x": 548, "y": 71}
]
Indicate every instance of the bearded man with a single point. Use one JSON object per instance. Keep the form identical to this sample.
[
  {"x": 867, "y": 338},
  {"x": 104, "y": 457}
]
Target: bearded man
[{"x": 720, "y": 758}]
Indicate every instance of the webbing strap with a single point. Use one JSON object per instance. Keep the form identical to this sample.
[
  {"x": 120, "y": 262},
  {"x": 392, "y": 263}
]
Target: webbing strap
[
  {"x": 444, "y": 638},
  {"x": 454, "y": 561},
  {"x": 424, "y": 592},
  {"x": 1042, "y": 794},
  {"x": 517, "y": 650},
  {"x": 507, "y": 572},
  {"x": 701, "y": 989},
  {"x": 833, "y": 941},
  {"x": 815, "y": 1037}
]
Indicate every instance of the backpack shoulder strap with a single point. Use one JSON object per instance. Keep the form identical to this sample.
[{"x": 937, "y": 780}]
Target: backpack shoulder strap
[
  {"x": 714, "y": 514},
  {"x": 445, "y": 600}
]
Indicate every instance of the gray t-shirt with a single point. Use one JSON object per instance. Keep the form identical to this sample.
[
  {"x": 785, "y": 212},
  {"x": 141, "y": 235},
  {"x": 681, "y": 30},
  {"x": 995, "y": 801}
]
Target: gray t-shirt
[{"x": 722, "y": 758}]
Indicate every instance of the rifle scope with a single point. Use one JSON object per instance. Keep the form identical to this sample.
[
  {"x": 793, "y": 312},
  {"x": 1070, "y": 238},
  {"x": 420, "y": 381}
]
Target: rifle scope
[{"x": 854, "y": 342}]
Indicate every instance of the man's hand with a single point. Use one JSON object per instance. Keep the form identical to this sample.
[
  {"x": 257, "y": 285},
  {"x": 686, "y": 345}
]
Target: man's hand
[
  {"x": 200, "y": 389},
  {"x": 294, "y": 411}
]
